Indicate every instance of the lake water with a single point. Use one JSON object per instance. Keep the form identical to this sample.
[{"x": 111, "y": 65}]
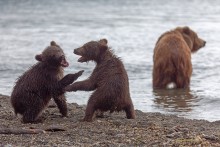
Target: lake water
[{"x": 132, "y": 28}]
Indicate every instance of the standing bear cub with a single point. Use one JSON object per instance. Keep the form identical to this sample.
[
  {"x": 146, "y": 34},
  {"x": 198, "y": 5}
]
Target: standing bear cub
[
  {"x": 172, "y": 58},
  {"x": 40, "y": 83},
  {"x": 109, "y": 80}
]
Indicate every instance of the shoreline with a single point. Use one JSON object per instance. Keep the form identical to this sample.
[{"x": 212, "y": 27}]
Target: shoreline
[{"x": 148, "y": 129}]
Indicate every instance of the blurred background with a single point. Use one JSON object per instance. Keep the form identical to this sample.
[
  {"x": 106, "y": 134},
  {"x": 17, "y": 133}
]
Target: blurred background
[{"x": 132, "y": 29}]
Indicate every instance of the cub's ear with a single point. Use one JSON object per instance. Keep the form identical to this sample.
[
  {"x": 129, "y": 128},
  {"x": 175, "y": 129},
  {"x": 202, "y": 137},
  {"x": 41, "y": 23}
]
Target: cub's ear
[
  {"x": 103, "y": 41},
  {"x": 53, "y": 43},
  {"x": 104, "y": 45},
  {"x": 186, "y": 30},
  {"x": 39, "y": 57}
]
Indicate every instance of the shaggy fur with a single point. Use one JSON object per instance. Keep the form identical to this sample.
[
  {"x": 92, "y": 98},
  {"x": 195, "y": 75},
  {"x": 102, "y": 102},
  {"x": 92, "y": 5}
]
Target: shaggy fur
[
  {"x": 172, "y": 57},
  {"x": 34, "y": 89},
  {"x": 109, "y": 80}
]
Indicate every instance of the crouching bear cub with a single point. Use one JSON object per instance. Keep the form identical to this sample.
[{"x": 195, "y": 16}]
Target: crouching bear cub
[
  {"x": 44, "y": 80},
  {"x": 109, "y": 80},
  {"x": 172, "y": 57}
]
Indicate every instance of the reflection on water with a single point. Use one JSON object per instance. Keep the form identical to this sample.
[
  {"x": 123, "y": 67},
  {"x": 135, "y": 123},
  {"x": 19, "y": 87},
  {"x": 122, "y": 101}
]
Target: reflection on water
[{"x": 179, "y": 100}]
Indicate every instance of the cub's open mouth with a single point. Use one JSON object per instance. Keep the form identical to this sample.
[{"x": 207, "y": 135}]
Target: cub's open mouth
[
  {"x": 81, "y": 59},
  {"x": 64, "y": 63}
]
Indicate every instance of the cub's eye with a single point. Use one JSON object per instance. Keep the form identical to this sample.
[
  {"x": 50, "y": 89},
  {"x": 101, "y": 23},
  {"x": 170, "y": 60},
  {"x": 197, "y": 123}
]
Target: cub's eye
[{"x": 62, "y": 57}]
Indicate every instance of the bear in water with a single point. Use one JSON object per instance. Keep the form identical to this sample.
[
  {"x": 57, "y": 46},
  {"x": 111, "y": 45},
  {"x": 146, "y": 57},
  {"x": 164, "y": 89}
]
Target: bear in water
[{"x": 172, "y": 58}]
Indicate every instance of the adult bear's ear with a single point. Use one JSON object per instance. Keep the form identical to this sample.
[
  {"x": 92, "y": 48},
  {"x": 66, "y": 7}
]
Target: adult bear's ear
[
  {"x": 104, "y": 44},
  {"x": 39, "y": 57},
  {"x": 187, "y": 36},
  {"x": 186, "y": 30}
]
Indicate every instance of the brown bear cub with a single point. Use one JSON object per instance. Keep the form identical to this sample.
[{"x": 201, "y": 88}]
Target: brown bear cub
[
  {"x": 172, "y": 58},
  {"x": 35, "y": 88},
  {"x": 109, "y": 79}
]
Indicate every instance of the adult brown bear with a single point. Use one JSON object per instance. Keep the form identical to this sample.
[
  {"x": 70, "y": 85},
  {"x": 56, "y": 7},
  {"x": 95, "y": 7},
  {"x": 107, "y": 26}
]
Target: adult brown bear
[
  {"x": 172, "y": 57},
  {"x": 109, "y": 79}
]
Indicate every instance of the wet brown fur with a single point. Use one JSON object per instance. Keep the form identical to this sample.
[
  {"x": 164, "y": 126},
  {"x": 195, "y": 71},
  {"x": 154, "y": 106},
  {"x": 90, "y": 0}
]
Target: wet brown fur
[
  {"x": 35, "y": 88},
  {"x": 109, "y": 80},
  {"x": 172, "y": 57}
]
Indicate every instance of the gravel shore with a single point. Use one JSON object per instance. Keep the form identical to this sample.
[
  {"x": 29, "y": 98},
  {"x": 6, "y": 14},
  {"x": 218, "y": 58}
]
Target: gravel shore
[{"x": 148, "y": 129}]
